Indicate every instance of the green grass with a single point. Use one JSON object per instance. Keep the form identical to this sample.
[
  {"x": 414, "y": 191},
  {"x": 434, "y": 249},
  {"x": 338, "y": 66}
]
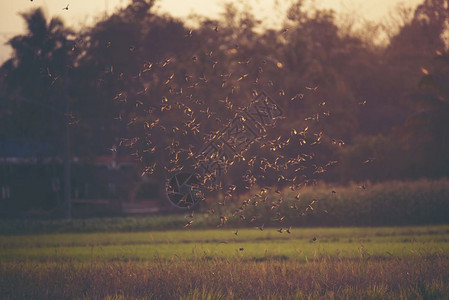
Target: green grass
[
  {"x": 223, "y": 243},
  {"x": 350, "y": 262}
]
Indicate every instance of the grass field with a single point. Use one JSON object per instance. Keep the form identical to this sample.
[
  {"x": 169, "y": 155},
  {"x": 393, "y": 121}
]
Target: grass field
[{"x": 372, "y": 262}]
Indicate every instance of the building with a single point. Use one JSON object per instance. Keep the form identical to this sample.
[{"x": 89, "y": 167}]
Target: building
[{"x": 110, "y": 184}]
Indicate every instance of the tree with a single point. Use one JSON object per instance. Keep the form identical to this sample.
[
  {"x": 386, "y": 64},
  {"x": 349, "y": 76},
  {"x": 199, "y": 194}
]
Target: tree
[
  {"x": 34, "y": 81},
  {"x": 36, "y": 91}
]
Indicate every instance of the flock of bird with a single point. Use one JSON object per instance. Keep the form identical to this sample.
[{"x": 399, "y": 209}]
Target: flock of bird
[{"x": 185, "y": 122}]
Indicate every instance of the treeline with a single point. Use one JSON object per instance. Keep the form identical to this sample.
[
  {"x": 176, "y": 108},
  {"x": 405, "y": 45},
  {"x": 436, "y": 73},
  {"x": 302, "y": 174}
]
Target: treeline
[{"x": 146, "y": 84}]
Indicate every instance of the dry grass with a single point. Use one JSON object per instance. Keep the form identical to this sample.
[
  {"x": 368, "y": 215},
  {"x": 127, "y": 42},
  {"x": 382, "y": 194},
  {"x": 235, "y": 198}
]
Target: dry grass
[
  {"x": 177, "y": 278},
  {"x": 348, "y": 263}
]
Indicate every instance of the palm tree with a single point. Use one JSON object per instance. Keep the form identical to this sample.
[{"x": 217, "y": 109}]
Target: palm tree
[
  {"x": 40, "y": 55},
  {"x": 35, "y": 81}
]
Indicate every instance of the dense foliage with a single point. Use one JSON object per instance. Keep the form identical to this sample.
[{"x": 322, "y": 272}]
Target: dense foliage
[{"x": 153, "y": 87}]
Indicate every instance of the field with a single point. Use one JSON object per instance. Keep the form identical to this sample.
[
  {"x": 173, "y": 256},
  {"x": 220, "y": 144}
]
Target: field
[{"x": 349, "y": 262}]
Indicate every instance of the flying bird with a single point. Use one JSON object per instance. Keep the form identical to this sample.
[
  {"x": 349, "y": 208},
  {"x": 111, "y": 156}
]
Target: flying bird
[
  {"x": 312, "y": 88},
  {"x": 362, "y": 103},
  {"x": 371, "y": 159}
]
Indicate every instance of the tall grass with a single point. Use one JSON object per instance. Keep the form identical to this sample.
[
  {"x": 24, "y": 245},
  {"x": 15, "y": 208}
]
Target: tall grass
[
  {"x": 415, "y": 278},
  {"x": 349, "y": 263},
  {"x": 395, "y": 203},
  {"x": 381, "y": 204}
]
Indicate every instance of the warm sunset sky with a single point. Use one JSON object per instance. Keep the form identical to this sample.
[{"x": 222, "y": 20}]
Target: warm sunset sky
[{"x": 84, "y": 11}]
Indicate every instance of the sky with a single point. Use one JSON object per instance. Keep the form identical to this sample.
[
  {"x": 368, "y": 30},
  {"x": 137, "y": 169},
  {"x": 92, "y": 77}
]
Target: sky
[{"x": 85, "y": 12}]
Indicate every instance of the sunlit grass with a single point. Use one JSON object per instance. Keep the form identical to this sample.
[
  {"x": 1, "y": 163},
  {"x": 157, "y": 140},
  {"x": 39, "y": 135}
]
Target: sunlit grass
[
  {"x": 223, "y": 243},
  {"x": 352, "y": 262},
  {"x": 413, "y": 233},
  {"x": 180, "y": 278}
]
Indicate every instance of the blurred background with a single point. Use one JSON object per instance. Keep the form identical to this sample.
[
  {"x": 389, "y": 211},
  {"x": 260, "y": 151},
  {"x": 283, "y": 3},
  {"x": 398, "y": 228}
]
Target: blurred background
[{"x": 95, "y": 117}]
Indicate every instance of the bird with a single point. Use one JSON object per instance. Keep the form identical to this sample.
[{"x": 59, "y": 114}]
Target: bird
[
  {"x": 73, "y": 122},
  {"x": 371, "y": 159},
  {"x": 362, "y": 103},
  {"x": 236, "y": 232},
  {"x": 424, "y": 71},
  {"x": 244, "y": 62},
  {"x": 261, "y": 227},
  {"x": 242, "y": 77},
  {"x": 296, "y": 97},
  {"x": 331, "y": 163},
  {"x": 67, "y": 7},
  {"x": 223, "y": 220},
  {"x": 312, "y": 88},
  {"x": 314, "y": 239},
  {"x": 113, "y": 149},
  {"x": 189, "y": 34},
  {"x": 165, "y": 62},
  {"x": 188, "y": 224},
  {"x": 54, "y": 80}
]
